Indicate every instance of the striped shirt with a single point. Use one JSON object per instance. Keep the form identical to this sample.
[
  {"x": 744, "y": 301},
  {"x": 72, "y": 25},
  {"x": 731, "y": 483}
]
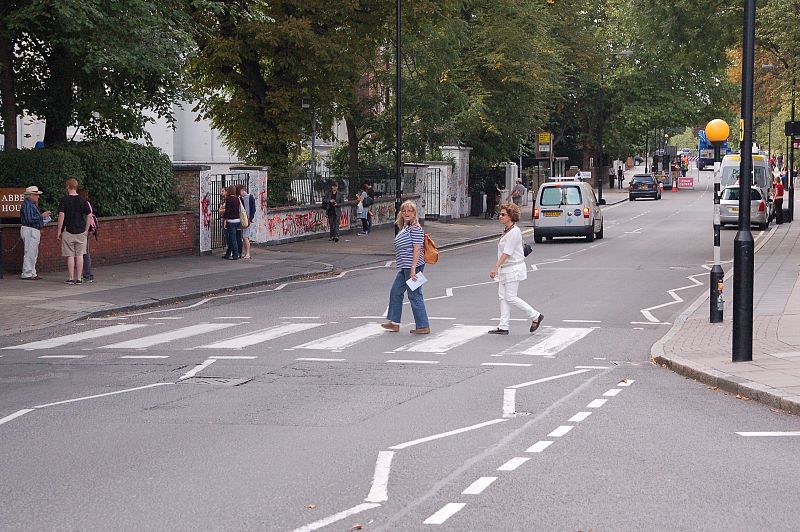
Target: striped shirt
[
  {"x": 30, "y": 215},
  {"x": 404, "y": 243}
]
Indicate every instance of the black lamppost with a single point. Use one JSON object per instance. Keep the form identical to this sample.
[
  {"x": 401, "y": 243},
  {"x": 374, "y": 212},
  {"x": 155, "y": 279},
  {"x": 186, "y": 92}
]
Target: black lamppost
[
  {"x": 717, "y": 132},
  {"x": 600, "y": 165},
  {"x": 398, "y": 162},
  {"x": 743, "y": 244},
  {"x": 791, "y": 164}
]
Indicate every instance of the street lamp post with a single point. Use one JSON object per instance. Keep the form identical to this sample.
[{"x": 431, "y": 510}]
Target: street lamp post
[
  {"x": 601, "y": 164},
  {"x": 398, "y": 162},
  {"x": 743, "y": 244},
  {"x": 717, "y": 132},
  {"x": 791, "y": 164}
]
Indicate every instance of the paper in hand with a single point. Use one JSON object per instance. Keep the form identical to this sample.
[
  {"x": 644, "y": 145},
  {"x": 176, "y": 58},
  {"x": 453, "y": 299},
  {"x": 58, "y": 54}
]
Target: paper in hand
[{"x": 421, "y": 280}]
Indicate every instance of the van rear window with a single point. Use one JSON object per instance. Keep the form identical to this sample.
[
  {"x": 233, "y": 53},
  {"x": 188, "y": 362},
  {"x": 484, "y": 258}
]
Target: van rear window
[{"x": 552, "y": 196}]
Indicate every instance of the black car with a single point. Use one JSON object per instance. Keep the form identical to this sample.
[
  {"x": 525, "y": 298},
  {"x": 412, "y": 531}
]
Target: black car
[{"x": 644, "y": 186}]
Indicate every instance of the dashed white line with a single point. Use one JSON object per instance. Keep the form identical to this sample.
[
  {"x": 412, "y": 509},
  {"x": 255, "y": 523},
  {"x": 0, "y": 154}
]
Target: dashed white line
[
  {"x": 15, "y": 415},
  {"x": 580, "y": 416},
  {"x": 337, "y": 517},
  {"x": 612, "y": 392},
  {"x": 103, "y": 394},
  {"x": 560, "y": 431},
  {"x": 509, "y": 402},
  {"x": 445, "y": 512},
  {"x": 539, "y": 446},
  {"x": 749, "y": 434},
  {"x": 477, "y": 487},
  {"x": 546, "y": 379},
  {"x": 514, "y": 463},
  {"x": 597, "y": 403},
  {"x": 62, "y": 356},
  {"x": 194, "y": 371},
  {"x": 379, "y": 492},
  {"x": 413, "y": 361}
]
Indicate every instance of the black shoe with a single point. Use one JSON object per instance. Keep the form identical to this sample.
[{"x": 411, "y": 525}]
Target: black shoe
[
  {"x": 335, "y": 239},
  {"x": 535, "y": 324},
  {"x": 498, "y": 331},
  {"x": 225, "y": 257}
]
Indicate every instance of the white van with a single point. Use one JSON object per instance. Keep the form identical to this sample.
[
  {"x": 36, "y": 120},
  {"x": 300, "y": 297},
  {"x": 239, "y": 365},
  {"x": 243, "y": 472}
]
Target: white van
[
  {"x": 729, "y": 172},
  {"x": 567, "y": 208}
]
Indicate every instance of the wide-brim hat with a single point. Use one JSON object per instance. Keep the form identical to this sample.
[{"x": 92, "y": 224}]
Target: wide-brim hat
[{"x": 32, "y": 190}]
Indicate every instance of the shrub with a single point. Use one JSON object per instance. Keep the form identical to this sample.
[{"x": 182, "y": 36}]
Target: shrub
[
  {"x": 45, "y": 168},
  {"x": 123, "y": 178}
]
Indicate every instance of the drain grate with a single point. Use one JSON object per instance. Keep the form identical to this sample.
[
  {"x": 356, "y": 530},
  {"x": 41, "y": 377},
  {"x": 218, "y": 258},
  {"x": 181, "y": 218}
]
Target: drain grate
[{"x": 215, "y": 381}]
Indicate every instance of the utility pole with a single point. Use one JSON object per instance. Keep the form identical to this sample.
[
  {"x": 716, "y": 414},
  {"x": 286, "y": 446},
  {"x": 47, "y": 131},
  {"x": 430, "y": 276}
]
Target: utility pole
[{"x": 398, "y": 161}]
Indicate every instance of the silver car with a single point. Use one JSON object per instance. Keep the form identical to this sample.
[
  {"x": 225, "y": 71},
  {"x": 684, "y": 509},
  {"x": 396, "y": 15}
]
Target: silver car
[{"x": 760, "y": 208}]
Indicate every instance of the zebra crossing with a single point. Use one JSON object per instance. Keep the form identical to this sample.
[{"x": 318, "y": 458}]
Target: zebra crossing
[{"x": 293, "y": 336}]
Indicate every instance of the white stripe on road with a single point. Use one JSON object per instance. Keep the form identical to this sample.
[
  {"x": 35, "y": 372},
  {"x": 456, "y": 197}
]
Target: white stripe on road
[
  {"x": 514, "y": 463},
  {"x": 77, "y": 337},
  {"x": 539, "y": 446},
  {"x": 444, "y": 434},
  {"x": 398, "y": 361},
  {"x": 15, "y": 415},
  {"x": 263, "y": 335},
  {"x": 597, "y": 403},
  {"x": 233, "y": 357},
  {"x": 198, "y": 368},
  {"x": 580, "y": 416},
  {"x": 510, "y": 364},
  {"x": 554, "y": 377},
  {"x": 764, "y": 434},
  {"x": 560, "y": 431},
  {"x": 446, "y": 340},
  {"x": 345, "y": 339},
  {"x": 555, "y": 340},
  {"x": 62, "y": 356},
  {"x": 612, "y": 392},
  {"x": 337, "y": 517},
  {"x": 177, "y": 334},
  {"x": 103, "y": 394},
  {"x": 477, "y": 487},
  {"x": 445, "y": 512},
  {"x": 379, "y": 492},
  {"x": 509, "y": 402}
]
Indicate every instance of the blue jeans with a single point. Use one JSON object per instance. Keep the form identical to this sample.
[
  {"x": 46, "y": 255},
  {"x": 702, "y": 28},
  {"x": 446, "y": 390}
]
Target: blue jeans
[
  {"x": 415, "y": 297},
  {"x": 233, "y": 243}
]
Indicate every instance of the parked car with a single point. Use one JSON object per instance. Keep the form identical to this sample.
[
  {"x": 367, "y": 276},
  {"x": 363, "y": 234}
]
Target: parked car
[
  {"x": 760, "y": 208},
  {"x": 644, "y": 186},
  {"x": 567, "y": 208},
  {"x": 637, "y": 160}
]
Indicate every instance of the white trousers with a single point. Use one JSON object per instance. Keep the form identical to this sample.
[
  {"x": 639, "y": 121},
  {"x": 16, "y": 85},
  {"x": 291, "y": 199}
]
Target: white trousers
[
  {"x": 30, "y": 237},
  {"x": 507, "y": 292}
]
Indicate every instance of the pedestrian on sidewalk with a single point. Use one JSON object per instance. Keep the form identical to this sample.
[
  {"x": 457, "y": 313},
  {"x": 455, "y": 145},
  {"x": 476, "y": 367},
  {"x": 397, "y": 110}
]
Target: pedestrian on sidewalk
[
  {"x": 73, "y": 222},
  {"x": 231, "y": 222},
  {"x": 410, "y": 261},
  {"x": 620, "y": 177},
  {"x": 333, "y": 208},
  {"x": 249, "y": 202},
  {"x": 778, "y": 203},
  {"x": 510, "y": 269},
  {"x": 518, "y": 192},
  {"x": 370, "y": 214},
  {"x": 88, "y": 274},
  {"x": 491, "y": 191},
  {"x": 611, "y": 176},
  {"x": 31, "y": 221},
  {"x": 362, "y": 208}
]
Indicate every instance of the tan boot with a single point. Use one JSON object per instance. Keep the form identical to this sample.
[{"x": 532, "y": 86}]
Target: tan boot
[
  {"x": 421, "y": 330},
  {"x": 391, "y": 326}
]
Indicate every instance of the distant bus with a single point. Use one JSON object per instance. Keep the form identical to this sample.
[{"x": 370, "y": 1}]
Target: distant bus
[{"x": 705, "y": 151}]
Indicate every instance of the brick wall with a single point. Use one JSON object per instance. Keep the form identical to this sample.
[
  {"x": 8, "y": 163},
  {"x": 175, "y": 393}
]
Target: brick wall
[{"x": 121, "y": 239}]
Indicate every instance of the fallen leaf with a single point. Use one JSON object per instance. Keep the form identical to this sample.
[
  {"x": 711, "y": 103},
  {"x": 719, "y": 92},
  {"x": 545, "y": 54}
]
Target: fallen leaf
[
  {"x": 311, "y": 506},
  {"x": 715, "y": 388},
  {"x": 357, "y": 526},
  {"x": 742, "y": 397}
]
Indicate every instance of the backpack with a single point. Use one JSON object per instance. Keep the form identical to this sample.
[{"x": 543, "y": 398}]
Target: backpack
[
  {"x": 430, "y": 250},
  {"x": 244, "y": 220},
  {"x": 367, "y": 201}
]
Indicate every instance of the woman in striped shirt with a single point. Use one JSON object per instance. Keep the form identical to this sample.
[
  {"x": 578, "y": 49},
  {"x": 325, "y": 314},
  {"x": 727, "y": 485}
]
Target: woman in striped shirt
[{"x": 410, "y": 261}]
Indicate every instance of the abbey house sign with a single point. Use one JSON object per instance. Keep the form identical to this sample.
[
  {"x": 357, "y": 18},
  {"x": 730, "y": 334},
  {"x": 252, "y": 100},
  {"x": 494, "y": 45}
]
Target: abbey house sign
[{"x": 11, "y": 201}]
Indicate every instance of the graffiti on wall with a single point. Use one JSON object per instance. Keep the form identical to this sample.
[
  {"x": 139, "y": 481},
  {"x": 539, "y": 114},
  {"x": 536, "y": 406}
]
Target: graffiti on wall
[{"x": 301, "y": 223}]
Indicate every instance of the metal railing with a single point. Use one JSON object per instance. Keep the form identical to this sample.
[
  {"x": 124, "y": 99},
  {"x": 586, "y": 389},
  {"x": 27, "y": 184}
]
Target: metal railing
[{"x": 218, "y": 182}]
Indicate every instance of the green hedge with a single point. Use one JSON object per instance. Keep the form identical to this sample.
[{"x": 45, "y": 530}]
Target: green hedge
[
  {"x": 47, "y": 169},
  {"x": 121, "y": 178}
]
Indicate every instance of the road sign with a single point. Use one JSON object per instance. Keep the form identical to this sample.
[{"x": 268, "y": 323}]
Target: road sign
[
  {"x": 11, "y": 201},
  {"x": 543, "y": 142},
  {"x": 544, "y": 138},
  {"x": 686, "y": 182}
]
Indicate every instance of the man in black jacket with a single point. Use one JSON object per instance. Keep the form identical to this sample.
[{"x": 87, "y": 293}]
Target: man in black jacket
[{"x": 332, "y": 202}]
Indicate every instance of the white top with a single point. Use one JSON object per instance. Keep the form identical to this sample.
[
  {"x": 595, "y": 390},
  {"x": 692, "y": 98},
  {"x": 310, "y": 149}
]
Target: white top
[{"x": 511, "y": 245}]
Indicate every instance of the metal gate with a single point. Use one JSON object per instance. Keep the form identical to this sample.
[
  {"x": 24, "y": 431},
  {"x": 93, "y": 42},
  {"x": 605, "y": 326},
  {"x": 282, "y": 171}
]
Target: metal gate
[
  {"x": 217, "y": 183},
  {"x": 433, "y": 193}
]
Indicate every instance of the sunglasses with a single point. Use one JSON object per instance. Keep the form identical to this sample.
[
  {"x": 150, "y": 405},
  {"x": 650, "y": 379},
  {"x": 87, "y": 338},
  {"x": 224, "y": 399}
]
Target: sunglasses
[{"x": 503, "y": 214}]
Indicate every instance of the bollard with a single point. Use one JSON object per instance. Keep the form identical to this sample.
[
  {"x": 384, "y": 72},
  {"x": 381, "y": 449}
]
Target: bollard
[{"x": 716, "y": 285}]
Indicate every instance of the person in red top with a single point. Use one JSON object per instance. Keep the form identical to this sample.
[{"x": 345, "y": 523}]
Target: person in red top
[{"x": 778, "y": 203}]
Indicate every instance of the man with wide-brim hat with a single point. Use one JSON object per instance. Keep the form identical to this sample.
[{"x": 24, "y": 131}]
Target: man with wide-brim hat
[{"x": 31, "y": 221}]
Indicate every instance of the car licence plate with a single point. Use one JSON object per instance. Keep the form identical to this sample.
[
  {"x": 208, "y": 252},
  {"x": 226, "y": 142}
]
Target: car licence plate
[
  {"x": 734, "y": 209},
  {"x": 549, "y": 214}
]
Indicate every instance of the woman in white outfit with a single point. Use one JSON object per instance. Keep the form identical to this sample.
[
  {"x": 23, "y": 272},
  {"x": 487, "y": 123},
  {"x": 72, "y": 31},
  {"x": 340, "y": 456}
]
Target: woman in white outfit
[{"x": 510, "y": 269}]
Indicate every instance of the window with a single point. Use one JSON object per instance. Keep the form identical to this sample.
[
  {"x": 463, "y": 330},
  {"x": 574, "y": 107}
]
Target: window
[
  {"x": 643, "y": 179},
  {"x": 573, "y": 195},
  {"x": 732, "y": 194},
  {"x": 551, "y": 196}
]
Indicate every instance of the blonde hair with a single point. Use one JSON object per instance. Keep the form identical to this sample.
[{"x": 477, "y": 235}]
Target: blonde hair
[{"x": 410, "y": 205}]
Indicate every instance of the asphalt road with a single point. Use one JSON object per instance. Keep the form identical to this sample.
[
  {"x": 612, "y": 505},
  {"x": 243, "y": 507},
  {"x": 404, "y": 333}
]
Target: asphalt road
[{"x": 289, "y": 408}]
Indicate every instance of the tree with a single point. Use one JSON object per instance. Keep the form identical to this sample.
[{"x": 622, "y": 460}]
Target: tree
[{"x": 74, "y": 63}]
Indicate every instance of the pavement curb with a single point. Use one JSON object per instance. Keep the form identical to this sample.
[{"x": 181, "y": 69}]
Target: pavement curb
[{"x": 724, "y": 381}]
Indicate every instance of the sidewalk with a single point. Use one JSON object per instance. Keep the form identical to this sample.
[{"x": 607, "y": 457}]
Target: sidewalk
[
  {"x": 29, "y": 305},
  {"x": 702, "y": 350}
]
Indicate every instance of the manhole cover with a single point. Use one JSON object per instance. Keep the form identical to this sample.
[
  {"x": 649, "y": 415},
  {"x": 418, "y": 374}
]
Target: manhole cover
[{"x": 215, "y": 381}]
